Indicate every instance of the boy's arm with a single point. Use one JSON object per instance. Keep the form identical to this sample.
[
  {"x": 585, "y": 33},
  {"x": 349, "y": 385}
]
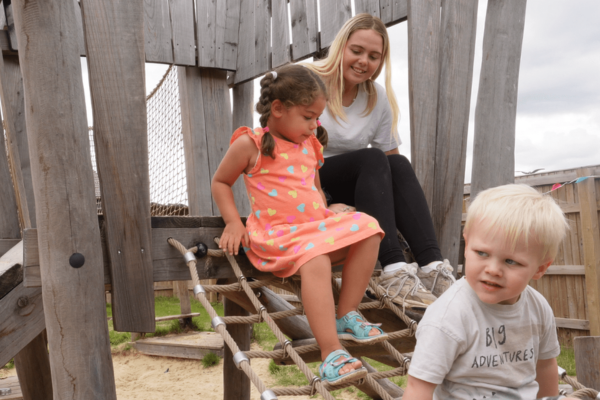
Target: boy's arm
[
  {"x": 236, "y": 160},
  {"x": 418, "y": 389},
  {"x": 547, "y": 377}
]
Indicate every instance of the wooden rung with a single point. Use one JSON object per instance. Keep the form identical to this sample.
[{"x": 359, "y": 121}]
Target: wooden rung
[{"x": 181, "y": 316}]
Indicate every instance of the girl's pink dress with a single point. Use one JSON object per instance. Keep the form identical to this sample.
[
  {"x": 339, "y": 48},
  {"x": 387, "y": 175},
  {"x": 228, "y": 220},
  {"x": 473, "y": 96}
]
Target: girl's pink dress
[{"x": 289, "y": 224}]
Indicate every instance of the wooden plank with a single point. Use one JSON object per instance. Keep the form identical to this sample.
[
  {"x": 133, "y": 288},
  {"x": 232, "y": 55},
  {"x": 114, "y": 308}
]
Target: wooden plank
[
  {"x": 579, "y": 324},
  {"x": 218, "y": 128},
  {"x": 33, "y": 368},
  {"x": 373, "y": 7},
  {"x": 10, "y": 24},
  {"x": 243, "y": 115},
  {"x": 400, "y": 11},
  {"x": 591, "y": 248},
  {"x": 305, "y": 29},
  {"x": 184, "y": 41},
  {"x": 423, "y": 78},
  {"x": 195, "y": 146},
  {"x": 172, "y": 317},
  {"x": 180, "y": 291},
  {"x": 587, "y": 360},
  {"x": 262, "y": 38},
  {"x": 539, "y": 179},
  {"x": 6, "y": 245},
  {"x": 334, "y": 13},
  {"x": 217, "y": 33},
  {"x": 21, "y": 320},
  {"x": 12, "y": 383},
  {"x": 206, "y": 34},
  {"x": 79, "y": 24},
  {"x": 168, "y": 264},
  {"x": 240, "y": 333},
  {"x": 116, "y": 71},
  {"x": 158, "y": 38},
  {"x": 566, "y": 270},
  {"x": 191, "y": 346},
  {"x": 495, "y": 114},
  {"x": 9, "y": 220},
  {"x": 280, "y": 48},
  {"x": 14, "y": 116},
  {"x": 246, "y": 61},
  {"x": 10, "y": 80},
  {"x": 67, "y": 223},
  {"x": 458, "y": 31}
]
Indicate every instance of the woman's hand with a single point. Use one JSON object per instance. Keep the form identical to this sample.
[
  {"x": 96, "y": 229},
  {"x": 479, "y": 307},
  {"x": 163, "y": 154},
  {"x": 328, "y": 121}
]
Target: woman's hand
[
  {"x": 340, "y": 208},
  {"x": 234, "y": 234}
]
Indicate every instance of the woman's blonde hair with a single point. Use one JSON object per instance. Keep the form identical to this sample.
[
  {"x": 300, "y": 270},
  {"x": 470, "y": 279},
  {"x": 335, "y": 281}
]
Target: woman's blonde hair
[
  {"x": 331, "y": 68},
  {"x": 519, "y": 212}
]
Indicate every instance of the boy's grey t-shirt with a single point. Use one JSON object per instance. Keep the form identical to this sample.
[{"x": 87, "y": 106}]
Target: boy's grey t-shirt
[{"x": 474, "y": 350}]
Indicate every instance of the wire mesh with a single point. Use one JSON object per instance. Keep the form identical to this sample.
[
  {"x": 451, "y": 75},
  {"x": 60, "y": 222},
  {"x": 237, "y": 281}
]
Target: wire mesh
[{"x": 168, "y": 186}]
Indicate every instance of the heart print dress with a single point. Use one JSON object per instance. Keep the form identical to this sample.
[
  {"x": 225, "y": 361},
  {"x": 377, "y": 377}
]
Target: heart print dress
[{"x": 289, "y": 224}]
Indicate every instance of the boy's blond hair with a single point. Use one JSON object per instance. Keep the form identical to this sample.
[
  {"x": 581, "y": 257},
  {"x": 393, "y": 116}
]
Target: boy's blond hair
[{"x": 519, "y": 211}]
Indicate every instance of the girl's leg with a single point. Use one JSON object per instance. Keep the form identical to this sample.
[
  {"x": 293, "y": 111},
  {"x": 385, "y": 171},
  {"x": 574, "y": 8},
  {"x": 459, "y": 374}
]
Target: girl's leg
[
  {"x": 317, "y": 299},
  {"x": 363, "y": 179},
  {"x": 413, "y": 218}
]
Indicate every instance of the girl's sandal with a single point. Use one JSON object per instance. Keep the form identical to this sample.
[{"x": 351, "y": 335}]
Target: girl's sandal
[
  {"x": 330, "y": 368},
  {"x": 349, "y": 327}
]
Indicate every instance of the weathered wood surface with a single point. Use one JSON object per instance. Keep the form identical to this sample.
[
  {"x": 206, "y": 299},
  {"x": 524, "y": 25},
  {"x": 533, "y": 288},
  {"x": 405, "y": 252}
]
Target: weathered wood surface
[
  {"x": 240, "y": 333},
  {"x": 399, "y": 12},
  {"x": 33, "y": 368},
  {"x": 190, "y": 345},
  {"x": 172, "y": 317},
  {"x": 195, "y": 145},
  {"x": 591, "y": 248},
  {"x": 21, "y": 320},
  {"x": 79, "y": 27},
  {"x": 9, "y": 221},
  {"x": 217, "y": 33},
  {"x": 180, "y": 290},
  {"x": 334, "y": 13},
  {"x": 10, "y": 24},
  {"x": 12, "y": 383},
  {"x": 7, "y": 244},
  {"x": 11, "y": 92},
  {"x": 168, "y": 264},
  {"x": 184, "y": 42},
  {"x": 372, "y": 7},
  {"x": 65, "y": 200},
  {"x": 587, "y": 360},
  {"x": 579, "y": 324},
  {"x": 496, "y": 111},
  {"x": 158, "y": 35},
  {"x": 11, "y": 270},
  {"x": 218, "y": 128},
  {"x": 459, "y": 22},
  {"x": 423, "y": 78},
  {"x": 243, "y": 115},
  {"x": 280, "y": 48},
  {"x": 305, "y": 28},
  {"x": 254, "y": 40},
  {"x": 114, "y": 33}
]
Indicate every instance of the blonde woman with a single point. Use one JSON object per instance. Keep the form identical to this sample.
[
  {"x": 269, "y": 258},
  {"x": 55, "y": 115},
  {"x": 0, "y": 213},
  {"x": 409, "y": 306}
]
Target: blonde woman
[{"x": 376, "y": 180}]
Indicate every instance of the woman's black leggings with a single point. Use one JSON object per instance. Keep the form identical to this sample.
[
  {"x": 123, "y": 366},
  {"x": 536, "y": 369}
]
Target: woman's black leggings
[{"x": 386, "y": 188}]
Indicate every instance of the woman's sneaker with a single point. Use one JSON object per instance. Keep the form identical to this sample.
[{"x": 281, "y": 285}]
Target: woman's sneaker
[
  {"x": 437, "y": 276},
  {"x": 404, "y": 286}
]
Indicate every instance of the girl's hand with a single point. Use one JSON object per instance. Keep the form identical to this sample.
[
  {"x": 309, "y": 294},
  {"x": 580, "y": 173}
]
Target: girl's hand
[
  {"x": 234, "y": 234},
  {"x": 340, "y": 208}
]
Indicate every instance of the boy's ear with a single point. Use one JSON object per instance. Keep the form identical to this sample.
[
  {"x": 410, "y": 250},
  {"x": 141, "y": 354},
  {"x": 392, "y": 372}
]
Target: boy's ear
[
  {"x": 277, "y": 108},
  {"x": 542, "y": 270}
]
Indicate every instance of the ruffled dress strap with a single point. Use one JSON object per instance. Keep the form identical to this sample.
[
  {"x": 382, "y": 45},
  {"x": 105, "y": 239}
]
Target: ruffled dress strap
[
  {"x": 318, "y": 147},
  {"x": 256, "y": 135}
]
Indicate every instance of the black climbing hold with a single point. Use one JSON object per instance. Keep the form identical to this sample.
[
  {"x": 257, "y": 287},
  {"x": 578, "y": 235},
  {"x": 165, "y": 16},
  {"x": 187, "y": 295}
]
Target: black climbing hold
[
  {"x": 77, "y": 260},
  {"x": 202, "y": 250}
]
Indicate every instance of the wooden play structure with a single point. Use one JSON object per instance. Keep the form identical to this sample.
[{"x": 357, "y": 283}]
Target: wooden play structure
[{"x": 58, "y": 257}]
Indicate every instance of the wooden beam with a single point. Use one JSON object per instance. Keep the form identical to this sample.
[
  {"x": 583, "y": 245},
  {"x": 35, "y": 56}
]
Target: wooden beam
[
  {"x": 241, "y": 333},
  {"x": 33, "y": 368},
  {"x": 458, "y": 31},
  {"x": 423, "y": 79},
  {"x": 114, "y": 32},
  {"x": 65, "y": 201},
  {"x": 9, "y": 220},
  {"x": 591, "y": 248},
  {"x": 243, "y": 115},
  {"x": 570, "y": 323},
  {"x": 496, "y": 111},
  {"x": 587, "y": 361}
]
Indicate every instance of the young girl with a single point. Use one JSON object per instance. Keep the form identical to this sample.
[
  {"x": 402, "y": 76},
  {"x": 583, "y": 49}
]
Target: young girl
[{"x": 290, "y": 230}]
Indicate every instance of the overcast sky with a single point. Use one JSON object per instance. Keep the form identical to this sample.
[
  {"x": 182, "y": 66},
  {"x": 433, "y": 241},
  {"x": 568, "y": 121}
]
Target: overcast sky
[{"x": 558, "y": 113}]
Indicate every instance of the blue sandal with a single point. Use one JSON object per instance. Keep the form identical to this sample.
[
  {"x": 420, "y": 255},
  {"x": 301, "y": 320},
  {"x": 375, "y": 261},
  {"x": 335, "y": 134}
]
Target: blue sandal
[
  {"x": 330, "y": 368},
  {"x": 349, "y": 327}
]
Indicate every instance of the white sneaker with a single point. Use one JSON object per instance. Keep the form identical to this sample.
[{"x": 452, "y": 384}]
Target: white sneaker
[
  {"x": 437, "y": 278},
  {"x": 404, "y": 284}
]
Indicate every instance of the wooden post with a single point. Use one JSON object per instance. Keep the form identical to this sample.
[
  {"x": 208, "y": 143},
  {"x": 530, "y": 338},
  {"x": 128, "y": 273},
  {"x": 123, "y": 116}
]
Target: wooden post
[
  {"x": 235, "y": 382},
  {"x": 591, "y": 247},
  {"x": 459, "y": 22},
  {"x": 423, "y": 78},
  {"x": 180, "y": 290},
  {"x": 587, "y": 360},
  {"x": 114, "y": 32},
  {"x": 65, "y": 202},
  {"x": 495, "y": 115},
  {"x": 32, "y": 363},
  {"x": 9, "y": 221}
]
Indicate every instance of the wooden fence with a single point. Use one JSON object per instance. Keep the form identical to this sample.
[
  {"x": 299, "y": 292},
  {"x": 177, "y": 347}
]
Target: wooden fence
[{"x": 571, "y": 283}]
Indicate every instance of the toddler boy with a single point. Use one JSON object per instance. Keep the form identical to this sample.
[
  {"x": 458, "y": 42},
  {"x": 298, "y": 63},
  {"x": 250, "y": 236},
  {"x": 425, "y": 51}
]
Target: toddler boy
[{"x": 490, "y": 335}]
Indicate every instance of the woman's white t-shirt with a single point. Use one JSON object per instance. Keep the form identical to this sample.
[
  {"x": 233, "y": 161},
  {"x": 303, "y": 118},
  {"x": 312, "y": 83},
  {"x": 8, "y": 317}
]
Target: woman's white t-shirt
[{"x": 360, "y": 130}]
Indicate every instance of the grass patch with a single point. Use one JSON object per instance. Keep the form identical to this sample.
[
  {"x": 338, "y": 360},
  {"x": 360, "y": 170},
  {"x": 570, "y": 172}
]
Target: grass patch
[
  {"x": 210, "y": 360},
  {"x": 262, "y": 334},
  {"x": 10, "y": 364},
  {"x": 566, "y": 360},
  {"x": 165, "y": 306}
]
